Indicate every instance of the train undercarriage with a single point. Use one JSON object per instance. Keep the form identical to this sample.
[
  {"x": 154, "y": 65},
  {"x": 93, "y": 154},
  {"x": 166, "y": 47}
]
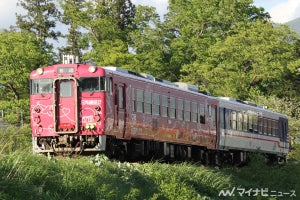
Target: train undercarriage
[
  {"x": 68, "y": 145},
  {"x": 142, "y": 150},
  {"x": 145, "y": 150}
]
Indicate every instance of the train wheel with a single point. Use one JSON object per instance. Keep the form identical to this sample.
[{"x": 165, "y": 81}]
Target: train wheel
[
  {"x": 240, "y": 158},
  {"x": 207, "y": 158},
  {"x": 271, "y": 159},
  {"x": 281, "y": 160},
  {"x": 218, "y": 159}
]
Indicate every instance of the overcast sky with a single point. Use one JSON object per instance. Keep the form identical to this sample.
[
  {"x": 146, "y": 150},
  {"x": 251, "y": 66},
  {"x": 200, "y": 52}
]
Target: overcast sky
[{"x": 281, "y": 11}]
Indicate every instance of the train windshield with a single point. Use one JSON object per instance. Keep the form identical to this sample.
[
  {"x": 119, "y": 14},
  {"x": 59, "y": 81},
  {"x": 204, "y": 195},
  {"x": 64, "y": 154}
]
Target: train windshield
[
  {"x": 92, "y": 84},
  {"x": 41, "y": 86}
]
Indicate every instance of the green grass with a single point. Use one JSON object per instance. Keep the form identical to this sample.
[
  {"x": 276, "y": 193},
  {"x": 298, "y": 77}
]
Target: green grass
[{"x": 27, "y": 176}]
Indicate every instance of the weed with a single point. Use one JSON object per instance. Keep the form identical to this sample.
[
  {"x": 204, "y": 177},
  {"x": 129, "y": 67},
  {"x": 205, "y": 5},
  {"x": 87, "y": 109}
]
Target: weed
[{"x": 24, "y": 175}]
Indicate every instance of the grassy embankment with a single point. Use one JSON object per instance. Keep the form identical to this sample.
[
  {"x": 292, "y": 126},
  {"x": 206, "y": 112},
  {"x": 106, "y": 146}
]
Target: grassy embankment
[{"x": 27, "y": 176}]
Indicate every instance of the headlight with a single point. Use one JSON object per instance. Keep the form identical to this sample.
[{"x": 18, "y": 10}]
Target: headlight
[
  {"x": 92, "y": 69},
  {"x": 40, "y": 71}
]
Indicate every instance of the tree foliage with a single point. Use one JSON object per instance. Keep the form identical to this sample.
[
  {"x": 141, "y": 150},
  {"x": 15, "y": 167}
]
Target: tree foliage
[
  {"x": 40, "y": 19},
  {"x": 71, "y": 16},
  {"x": 196, "y": 25},
  {"x": 253, "y": 58},
  {"x": 20, "y": 53},
  {"x": 105, "y": 25},
  {"x": 228, "y": 47},
  {"x": 149, "y": 44}
]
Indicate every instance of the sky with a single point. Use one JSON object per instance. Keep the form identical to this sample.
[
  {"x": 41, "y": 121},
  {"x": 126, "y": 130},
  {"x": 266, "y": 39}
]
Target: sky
[{"x": 281, "y": 11}]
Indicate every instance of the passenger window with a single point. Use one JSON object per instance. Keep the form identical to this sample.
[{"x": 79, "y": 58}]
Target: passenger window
[
  {"x": 240, "y": 121},
  {"x": 156, "y": 104},
  {"x": 109, "y": 84},
  {"x": 269, "y": 127},
  {"x": 265, "y": 126},
  {"x": 172, "y": 108},
  {"x": 147, "y": 105},
  {"x": 250, "y": 122},
  {"x": 180, "y": 109},
  {"x": 121, "y": 97},
  {"x": 187, "y": 108},
  {"x": 260, "y": 125},
  {"x": 222, "y": 117},
  {"x": 276, "y": 128},
  {"x": 233, "y": 120},
  {"x": 245, "y": 122},
  {"x": 255, "y": 122},
  {"x": 194, "y": 112},
  {"x": 139, "y": 101},
  {"x": 133, "y": 100},
  {"x": 164, "y": 106},
  {"x": 273, "y": 128},
  {"x": 202, "y": 114}
]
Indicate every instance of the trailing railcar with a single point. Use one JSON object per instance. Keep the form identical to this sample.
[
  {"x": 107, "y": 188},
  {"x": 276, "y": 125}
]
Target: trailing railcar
[
  {"x": 151, "y": 116},
  {"x": 247, "y": 127},
  {"x": 77, "y": 107}
]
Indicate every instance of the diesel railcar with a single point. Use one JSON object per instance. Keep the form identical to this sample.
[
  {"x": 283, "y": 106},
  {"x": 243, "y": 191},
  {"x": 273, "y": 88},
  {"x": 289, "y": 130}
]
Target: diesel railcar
[{"x": 77, "y": 108}]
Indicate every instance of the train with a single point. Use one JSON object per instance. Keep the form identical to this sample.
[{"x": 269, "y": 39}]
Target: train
[{"x": 77, "y": 108}]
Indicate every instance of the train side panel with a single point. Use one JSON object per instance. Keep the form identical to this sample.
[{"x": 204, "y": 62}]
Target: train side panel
[
  {"x": 250, "y": 128},
  {"x": 139, "y": 109}
]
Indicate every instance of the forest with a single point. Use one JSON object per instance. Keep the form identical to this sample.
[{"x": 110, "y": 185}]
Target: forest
[{"x": 227, "y": 48}]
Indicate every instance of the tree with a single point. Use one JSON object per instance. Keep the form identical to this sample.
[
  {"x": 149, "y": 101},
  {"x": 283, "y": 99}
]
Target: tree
[
  {"x": 19, "y": 55},
  {"x": 107, "y": 24},
  {"x": 149, "y": 44},
  {"x": 71, "y": 16},
  {"x": 196, "y": 25},
  {"x": 253, "y": 59},
  {"x": 40, "y": 19}
]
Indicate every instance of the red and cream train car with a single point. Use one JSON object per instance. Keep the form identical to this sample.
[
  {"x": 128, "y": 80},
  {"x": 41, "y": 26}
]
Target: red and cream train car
[{"x": 77, "y": 107}]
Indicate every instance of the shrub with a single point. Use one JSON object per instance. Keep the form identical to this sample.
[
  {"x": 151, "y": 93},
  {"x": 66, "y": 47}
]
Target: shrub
[
  {"x": 15, "y": 138},
  {"x": 15, "y": 110}
]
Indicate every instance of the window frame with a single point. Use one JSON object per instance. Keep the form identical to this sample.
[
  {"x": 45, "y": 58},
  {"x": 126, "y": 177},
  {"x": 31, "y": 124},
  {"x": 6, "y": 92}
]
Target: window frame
[
  {"x": 202, "y": 113},
  {"x": 35, "y": 85},
  {"x": 102, "y": 85},
  {"x": 147, "y": 102},
  {"x": 139, "y": 101}
]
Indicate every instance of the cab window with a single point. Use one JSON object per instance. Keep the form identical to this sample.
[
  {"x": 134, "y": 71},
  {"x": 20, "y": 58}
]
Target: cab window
[
  {"x": 41, "y": 86},
  {"x": 92, "y": 84}
]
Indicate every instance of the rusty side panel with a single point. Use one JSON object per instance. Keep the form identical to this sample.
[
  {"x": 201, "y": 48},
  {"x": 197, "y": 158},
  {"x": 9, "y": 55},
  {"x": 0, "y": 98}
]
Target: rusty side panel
[{"x": 149, "y": 127}]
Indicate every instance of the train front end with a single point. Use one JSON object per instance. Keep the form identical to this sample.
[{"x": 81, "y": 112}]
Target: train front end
[{"x": 68, "y": 109}]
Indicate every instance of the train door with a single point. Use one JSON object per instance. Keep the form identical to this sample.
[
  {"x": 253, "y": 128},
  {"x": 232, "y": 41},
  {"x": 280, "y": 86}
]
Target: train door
[
  {"x": 283, "y": 131},
  {"x": 120, "y": 109},
  {"x": 212, "y": 113},
  {"x": 65, "y": 105},
  {"x": 212, "y": 117},
  {"x": 222, "y": 126}
]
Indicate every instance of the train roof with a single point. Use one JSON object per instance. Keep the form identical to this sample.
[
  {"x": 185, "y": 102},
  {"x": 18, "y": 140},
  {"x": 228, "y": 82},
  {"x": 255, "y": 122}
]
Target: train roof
[
  {"x": 152, "y": 79},
  {"x": 248, "y": 105},
  {"x": 191, "y": 89}
]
